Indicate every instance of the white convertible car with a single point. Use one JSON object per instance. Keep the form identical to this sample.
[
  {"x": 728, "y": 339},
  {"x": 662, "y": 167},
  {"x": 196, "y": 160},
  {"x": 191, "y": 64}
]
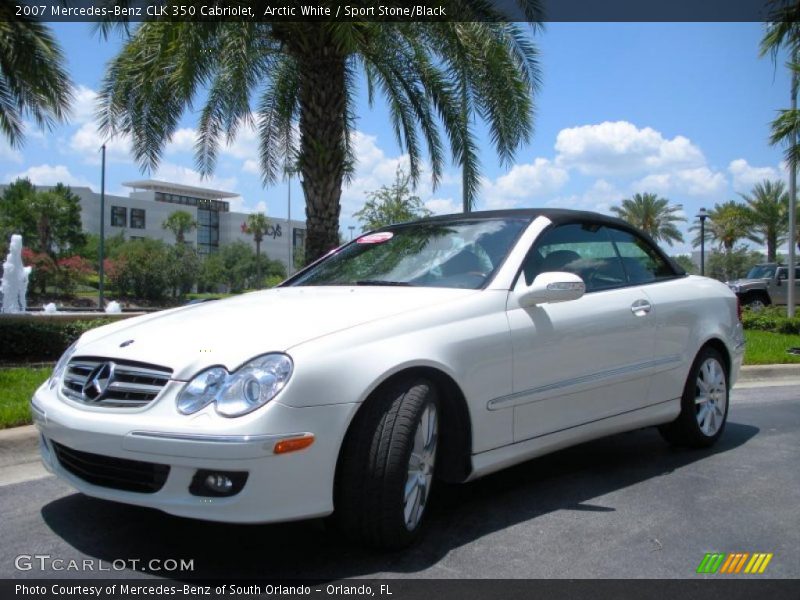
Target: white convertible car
[{"x": 446, "y": 349}]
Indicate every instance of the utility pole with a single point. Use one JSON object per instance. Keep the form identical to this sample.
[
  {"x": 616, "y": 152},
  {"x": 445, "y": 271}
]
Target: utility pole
[
  {"x": 289, "y": 229},
  {"x": 102, "y": 223},
  {"x": 790, "y": 297}
]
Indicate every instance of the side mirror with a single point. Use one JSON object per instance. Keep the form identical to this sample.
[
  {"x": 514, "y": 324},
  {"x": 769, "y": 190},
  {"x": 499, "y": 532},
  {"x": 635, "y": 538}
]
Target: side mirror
[{"x": 554, "y": 286}]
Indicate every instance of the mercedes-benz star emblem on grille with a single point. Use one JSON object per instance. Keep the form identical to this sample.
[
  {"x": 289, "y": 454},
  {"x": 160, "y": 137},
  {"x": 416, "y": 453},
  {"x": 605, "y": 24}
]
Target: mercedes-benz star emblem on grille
[{"x": 98, "y": 381}]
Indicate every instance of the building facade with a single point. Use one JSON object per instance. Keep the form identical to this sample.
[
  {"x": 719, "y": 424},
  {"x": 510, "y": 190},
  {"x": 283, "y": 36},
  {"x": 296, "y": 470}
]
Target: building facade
[{"x": 142, "y": 214}]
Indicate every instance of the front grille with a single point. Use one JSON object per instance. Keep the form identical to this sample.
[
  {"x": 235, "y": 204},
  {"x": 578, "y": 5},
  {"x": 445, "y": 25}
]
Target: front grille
[
  {"x": 111, "y": 472},
  {"x": 131, "y": 385}
]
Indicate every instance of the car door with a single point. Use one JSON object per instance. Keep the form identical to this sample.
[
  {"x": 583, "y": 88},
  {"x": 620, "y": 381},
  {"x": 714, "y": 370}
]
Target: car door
[
  {"x": 779, "y": 285},
  {"x": 673, "y": 311},
  {"x": 579, "y": 361}
]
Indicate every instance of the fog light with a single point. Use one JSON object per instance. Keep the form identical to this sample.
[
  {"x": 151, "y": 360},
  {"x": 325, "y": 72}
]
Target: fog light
[{"x": 217, "y": 483}]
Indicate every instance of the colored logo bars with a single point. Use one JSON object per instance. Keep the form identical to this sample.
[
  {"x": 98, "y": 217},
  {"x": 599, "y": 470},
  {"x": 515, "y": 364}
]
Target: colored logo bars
[{"x": 734, "y": 562}]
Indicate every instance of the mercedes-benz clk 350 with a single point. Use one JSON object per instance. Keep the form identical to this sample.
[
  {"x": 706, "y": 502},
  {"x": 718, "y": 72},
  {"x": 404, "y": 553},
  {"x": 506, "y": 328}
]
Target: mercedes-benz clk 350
[{"x": 443, "y": 349}]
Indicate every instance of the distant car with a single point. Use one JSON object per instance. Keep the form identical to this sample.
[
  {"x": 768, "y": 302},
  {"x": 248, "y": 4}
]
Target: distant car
[
  {"x": 765, "y": 284},
  {"x": 447, "y": 348}
]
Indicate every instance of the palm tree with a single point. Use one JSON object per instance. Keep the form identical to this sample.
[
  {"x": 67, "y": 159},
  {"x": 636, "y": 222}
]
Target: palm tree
[
  {"x": 783, "y": 32},
  {"x": 653, "y": 215},
  {"x": 180, "y": 223},
  {"x": 768, "y": 203},
  {"x": 257, "y": 225},
  {"x": 33, "y": 75},
  {"x": 434, "y": 77},
  {"x": 727, "y": 223}
]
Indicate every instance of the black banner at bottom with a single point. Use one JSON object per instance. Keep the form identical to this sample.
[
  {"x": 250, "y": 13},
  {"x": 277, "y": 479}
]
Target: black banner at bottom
[{"x": 403, "y": 589}]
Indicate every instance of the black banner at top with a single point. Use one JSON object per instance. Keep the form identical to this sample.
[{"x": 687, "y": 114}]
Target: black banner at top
[{"x": 392, "y": 10}]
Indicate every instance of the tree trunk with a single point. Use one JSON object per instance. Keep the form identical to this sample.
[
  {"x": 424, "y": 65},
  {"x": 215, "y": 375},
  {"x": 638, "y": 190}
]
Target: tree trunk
[
  {"x": 322, "y": 142},
  {"x": 258, "y": 262}
]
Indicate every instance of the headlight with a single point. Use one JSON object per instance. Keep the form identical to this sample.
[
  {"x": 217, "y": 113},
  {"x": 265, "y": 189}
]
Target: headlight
[
  {"x": 61, "y": 365},
  {"x": 249, "y": 387}
]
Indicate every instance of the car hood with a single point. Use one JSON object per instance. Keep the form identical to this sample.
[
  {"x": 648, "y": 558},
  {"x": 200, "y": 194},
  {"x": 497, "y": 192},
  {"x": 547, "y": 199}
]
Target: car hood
[
  {"x": 747, "y": 282},
  {"x": 231, "y": 331}
]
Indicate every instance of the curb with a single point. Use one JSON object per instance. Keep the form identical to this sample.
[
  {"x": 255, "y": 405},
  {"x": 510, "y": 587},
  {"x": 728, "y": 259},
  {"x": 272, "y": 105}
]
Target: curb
[
  {"x": 21, "y": 444},
  {"x": 769, "y": 372}
]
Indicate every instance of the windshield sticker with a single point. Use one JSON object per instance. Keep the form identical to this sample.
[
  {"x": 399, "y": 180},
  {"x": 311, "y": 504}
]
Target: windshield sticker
[{"x": 375, "y": 238}]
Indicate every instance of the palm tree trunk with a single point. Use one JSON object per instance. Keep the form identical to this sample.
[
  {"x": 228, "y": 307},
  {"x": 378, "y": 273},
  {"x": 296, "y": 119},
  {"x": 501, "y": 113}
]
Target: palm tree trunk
[
  {"x": 258, "y": 262},
  {"x": 322, "y": 143}
]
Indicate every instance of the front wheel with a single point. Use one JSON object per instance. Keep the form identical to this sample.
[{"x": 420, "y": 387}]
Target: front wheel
[
  {"x": 704, "y": 405},
  {"x": 387, "y": 466}
]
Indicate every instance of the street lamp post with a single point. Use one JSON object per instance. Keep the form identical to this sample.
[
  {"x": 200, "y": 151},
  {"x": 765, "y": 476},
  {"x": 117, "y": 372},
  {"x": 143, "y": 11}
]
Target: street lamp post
[
  {"x": 101, "y": 274},
  {"x": 702, "y": 214}
]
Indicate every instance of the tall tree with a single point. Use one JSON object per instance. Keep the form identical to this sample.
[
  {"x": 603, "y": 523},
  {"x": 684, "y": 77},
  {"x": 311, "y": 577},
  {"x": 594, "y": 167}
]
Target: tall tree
[
  {"x": 33, "y": 75},
  {"x": 257, "y": 225},
  {"x": 653, "y": 215},
  {"x": 768, "y": 203},
  {"x": 783, "y": 33},
  {"x": 48, "y": 220},
  {"x": 391, "y": 204},
  {"x": 180, "y": 223},
  {"x": 434, "y": 77},
  {"x": 727, "y": 223}
]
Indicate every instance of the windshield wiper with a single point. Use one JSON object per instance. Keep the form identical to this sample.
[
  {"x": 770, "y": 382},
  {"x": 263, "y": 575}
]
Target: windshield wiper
[{"x": 383, "y": 282}]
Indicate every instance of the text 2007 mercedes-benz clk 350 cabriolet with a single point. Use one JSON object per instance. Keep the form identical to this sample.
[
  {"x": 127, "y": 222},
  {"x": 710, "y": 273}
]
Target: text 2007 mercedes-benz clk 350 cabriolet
[{"x": 446, "y": 348}]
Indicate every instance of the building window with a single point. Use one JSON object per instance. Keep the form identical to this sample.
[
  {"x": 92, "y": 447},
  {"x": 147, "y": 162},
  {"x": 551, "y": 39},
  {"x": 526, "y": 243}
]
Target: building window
[
  {"x": 137, "y": 218},
  {"x": 119, "y": 216},
  {"x": 299, "y": 240}
]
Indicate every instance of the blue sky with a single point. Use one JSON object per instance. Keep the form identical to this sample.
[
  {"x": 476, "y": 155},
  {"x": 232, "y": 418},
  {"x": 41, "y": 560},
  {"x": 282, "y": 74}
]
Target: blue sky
[{"x": 678, "y": 109}]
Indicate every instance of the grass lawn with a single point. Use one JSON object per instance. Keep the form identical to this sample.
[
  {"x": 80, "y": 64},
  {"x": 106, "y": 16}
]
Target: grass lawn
[
  {"x": 765, "y": 348},
  {"x": 16, "y": 388}
]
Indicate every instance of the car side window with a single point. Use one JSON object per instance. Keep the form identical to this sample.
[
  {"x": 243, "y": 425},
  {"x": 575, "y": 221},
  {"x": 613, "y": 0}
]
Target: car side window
[
  {"x": 642, "y": 262},
  {"x": 584, "y": 249}
]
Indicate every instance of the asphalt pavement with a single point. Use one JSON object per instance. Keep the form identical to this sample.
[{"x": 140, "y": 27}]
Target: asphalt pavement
[{"x": 627, "y": 506}]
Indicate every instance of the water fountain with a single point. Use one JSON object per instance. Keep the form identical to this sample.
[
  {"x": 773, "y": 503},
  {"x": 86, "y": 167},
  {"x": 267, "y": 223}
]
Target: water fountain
[{"x": 14, "y": 285}]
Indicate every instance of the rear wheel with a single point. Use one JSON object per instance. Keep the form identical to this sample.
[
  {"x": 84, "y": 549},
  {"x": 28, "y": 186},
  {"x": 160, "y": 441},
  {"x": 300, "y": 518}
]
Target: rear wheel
[
  {"x": 704, "y": 405},
  {"x": 387, "y": 465},
  {"x": 755, "y": 301}
]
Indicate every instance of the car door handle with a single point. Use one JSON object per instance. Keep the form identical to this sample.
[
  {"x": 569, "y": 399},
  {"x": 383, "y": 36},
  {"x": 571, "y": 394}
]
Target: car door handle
[{"x": 641, "y": 307}]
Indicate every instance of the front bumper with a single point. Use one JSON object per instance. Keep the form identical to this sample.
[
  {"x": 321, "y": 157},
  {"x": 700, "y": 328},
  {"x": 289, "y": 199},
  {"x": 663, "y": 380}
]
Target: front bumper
[{"x": 279, "y": 487}]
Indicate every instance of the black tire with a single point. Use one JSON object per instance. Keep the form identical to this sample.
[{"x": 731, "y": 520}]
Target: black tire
[
  {"x": 687, "y": 429},
  {"x": 374, "y": 466},
  {"x": 755, "y": 300}
]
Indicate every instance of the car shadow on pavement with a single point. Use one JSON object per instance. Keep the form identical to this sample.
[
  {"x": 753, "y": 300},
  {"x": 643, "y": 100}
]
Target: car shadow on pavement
[{"x": 459, "y": 514}]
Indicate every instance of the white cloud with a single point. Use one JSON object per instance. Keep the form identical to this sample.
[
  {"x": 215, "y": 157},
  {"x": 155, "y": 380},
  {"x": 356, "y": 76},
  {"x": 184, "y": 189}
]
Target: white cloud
[
  {"x": 87, "y": 141},
  {"x": 251, "y": 166},
  {"x": 599, "y": 197},
  {"x": 8, "y": 153},
  {"x": 50, "y": 175},
  {"x": 84, "y": 104},
  {"x": 699, "y": 181},
  {"x": 182, "y": 141},
  {"x": 622, "y": 148},
  {"x": 175, "y": 173},
  {"x": 523, "y": 184},
  {"x": 745, "y": 176},
  {"x": 443, "y": 206}
]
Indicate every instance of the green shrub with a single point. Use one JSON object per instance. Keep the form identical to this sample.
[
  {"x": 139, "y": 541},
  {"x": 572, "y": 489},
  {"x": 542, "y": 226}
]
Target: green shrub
[
  {"x": 771, "y": 319},
  {"x": 40, "y": 340}
]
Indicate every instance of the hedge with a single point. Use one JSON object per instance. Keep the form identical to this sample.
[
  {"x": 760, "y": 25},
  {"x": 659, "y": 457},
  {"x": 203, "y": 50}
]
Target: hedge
[
  {"x": 40, "y": 339},
  {"x": 772, "y": 319}
]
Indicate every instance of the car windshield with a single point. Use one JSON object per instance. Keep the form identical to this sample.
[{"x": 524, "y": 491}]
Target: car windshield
[
  {"x": 457, "y": 254},
  {"x": 761, "y": 272}
]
